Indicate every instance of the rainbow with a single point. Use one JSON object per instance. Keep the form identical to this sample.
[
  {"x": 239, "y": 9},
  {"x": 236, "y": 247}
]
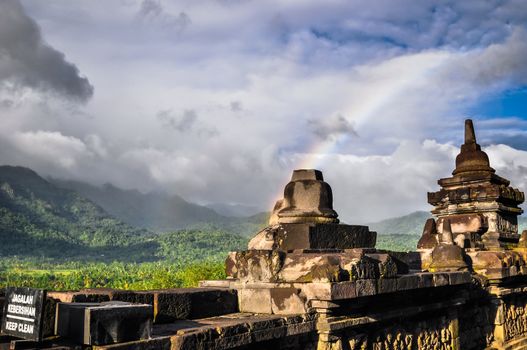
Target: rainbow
[
  {"x": 363, "y": 112},
  {"x": 370, "y": 103}
]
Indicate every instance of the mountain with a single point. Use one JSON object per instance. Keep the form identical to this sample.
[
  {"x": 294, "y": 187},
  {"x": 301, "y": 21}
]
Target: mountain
[
  {"x": 154, "y": 211},
  {"x": 162, "y": 213},
  {"x": 38, "y": 218},
  {"x": 411, "y": 224}
]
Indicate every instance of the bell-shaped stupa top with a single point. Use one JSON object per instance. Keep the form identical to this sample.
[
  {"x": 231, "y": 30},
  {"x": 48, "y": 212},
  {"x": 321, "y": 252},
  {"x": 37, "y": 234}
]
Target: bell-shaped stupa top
[
  {"x": 307, "y": 198},
  {"x": 471, "y": 158}
]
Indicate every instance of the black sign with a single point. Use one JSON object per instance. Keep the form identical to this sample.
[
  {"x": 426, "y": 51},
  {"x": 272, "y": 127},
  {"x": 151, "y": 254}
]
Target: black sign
[{"x": 22, "y": 317}]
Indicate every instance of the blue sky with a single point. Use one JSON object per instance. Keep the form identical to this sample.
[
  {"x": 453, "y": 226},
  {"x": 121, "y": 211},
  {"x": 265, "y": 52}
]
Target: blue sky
[
  {"x": 219, "y": 100},
  {"x": 508, "y": 103}
]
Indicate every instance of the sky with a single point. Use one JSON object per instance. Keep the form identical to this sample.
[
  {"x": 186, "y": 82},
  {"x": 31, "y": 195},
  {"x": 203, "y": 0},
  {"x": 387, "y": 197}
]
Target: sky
[{"x": 219, "y": 100}]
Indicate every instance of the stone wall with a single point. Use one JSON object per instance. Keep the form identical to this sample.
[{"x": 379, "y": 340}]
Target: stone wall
[{"x": 471, "y": 317}]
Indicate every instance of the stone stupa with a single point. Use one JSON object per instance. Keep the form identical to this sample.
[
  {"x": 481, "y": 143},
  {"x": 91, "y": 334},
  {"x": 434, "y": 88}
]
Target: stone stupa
[{"x": 480, "y": 205}]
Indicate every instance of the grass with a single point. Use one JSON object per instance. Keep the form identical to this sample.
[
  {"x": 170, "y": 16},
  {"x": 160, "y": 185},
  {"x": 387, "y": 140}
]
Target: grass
[{"x": 117, "y": 275}]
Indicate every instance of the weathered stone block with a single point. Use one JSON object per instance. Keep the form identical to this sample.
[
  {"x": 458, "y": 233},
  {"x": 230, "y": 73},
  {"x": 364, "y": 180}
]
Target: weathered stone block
[
  {"x": 448, "y": 257},
  {"x": 103, "y": 323},
  {"x": 364, "y": 268},
  {"x": 463, "y": 223},
  {"x": 386, "y": 267},
  {"x": 311, "y": 267},
  {"x": 343, "y": 290},
  {"x": 290, "y": 237},
  {"x": 366, "y": 287},
  {"x": 407, "y": 282},
  {"x": 387, "y": 285},
  {"x": 183, "y": 303},
  {"x": 441, "y": 279},
  {"x": 255, "y": 265},
  {"x": 287, "y": 301},
  {"x": 225, "y": 284},
  {"x": 426, "y": 280},
  {"x": 459, "y": 277},
  {"x": 327, "y": 291},
  {"x": 315, "y": 290},
  {"x": 207, "y": 302},
  {"x": 171, "y": 306},
  {"x": 48, "y": 317},
  {"x": 255, "y": 300}
]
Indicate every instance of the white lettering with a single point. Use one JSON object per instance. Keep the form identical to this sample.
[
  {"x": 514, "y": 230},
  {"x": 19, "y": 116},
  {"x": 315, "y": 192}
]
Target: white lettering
[
  {"x": 22, "y": 299},
  {"x": 25, "y": 328},
  {"x": 21, "y": 310},
  {"x": 11, "y": 326}
]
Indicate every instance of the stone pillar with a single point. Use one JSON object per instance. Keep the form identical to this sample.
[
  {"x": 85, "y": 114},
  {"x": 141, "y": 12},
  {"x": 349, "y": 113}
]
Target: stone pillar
[
  {"x": 500, "y": 336},
  {"x": 327, "y": 341},
  {"x": 453, "y": 327}
]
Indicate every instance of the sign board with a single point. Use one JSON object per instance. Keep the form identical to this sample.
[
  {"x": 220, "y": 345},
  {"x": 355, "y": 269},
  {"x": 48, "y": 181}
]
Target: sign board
[{"x": 22, "y": 316}]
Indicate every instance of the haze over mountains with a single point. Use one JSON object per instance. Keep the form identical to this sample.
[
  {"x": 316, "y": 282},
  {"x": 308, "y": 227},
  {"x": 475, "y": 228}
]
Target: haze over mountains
[
  {"x": 154, "y": 211},
  {"x": 68, "y": 219},
  {"x": 160, "y": 212}
]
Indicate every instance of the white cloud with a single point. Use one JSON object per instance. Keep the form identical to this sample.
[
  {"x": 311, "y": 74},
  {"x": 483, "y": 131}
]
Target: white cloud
[
  {"x": 52, "y": 147},
  {"x": 96, "y": 145},
  {"x": 509, "y": 163},
  {"x": 366, "y": 188}
]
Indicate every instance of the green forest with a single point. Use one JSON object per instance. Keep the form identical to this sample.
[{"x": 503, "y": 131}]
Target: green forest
[{"x": 54, "y": 238}]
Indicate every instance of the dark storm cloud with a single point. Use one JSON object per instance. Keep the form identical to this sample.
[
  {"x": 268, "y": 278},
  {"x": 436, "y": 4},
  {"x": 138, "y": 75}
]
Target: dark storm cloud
[
  {"x": 27, "y": 61},
  {"x": 332, "y": 127}
]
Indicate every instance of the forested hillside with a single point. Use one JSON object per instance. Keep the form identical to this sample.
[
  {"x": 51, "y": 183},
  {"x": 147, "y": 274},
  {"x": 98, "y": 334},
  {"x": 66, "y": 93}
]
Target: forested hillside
[
  {"x": 41, "y": 220},
  {"x": 37, "y": 218}
]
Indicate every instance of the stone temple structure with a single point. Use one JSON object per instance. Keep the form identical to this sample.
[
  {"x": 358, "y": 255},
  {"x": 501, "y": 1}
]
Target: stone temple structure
[
  {"x": 479, "y": 204},
  {"x": 307, "y": 281}
]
